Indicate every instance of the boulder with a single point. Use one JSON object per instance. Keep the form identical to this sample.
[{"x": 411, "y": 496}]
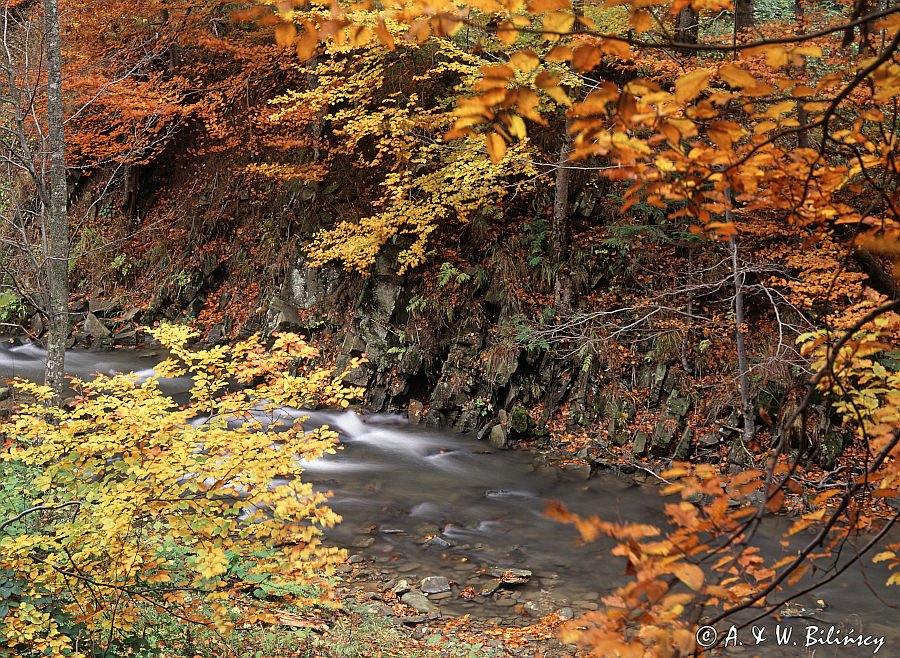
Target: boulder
[
  {"x": 520, "y": 421},
  {"x": 641, "y": 439},
  {"x": 95, "y": 327},
  {"x": 418, "y": 601},
  {"x": 101, "y": 306},
  {"x": 435, "y": 585},
  {"x": 676, "y": 408},
  {"x": 498, "y": 437},
  {"x": 683, "y": 449},
  {"x": 415, "y": 412}
]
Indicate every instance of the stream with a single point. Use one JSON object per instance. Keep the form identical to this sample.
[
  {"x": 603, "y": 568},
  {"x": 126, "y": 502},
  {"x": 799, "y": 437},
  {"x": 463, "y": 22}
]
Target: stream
[{"x": 419, "y": 503}]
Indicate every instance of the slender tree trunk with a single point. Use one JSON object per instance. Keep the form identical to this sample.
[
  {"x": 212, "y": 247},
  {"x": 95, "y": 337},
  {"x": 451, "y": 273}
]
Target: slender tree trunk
[
  {"x": 743, "y": 16},
  {"x": 56, "y": 215},
  {"x": 687, "y": 28},
  {"x": 802, "y": 117},
  {"x": 559, "y": 226},
  {"x": 740, "y": 346}
]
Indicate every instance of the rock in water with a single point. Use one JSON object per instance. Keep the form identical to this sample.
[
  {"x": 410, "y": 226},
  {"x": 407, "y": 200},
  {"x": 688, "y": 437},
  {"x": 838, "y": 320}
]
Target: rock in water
[
  {"x": 510, "y": 576},
  {"x": 498, "y": 437},
  {"x": 435, "y": 585},
  {"x": 415, "y": 412},
  {"x": 418, "y": 601}
]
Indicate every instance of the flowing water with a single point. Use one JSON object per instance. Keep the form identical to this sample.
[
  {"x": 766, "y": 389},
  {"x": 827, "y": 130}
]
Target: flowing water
[{"x": 419, "y": 503}]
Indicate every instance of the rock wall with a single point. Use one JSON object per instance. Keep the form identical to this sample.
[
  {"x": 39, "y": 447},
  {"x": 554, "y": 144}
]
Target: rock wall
[{"x": 471, "y": 380}]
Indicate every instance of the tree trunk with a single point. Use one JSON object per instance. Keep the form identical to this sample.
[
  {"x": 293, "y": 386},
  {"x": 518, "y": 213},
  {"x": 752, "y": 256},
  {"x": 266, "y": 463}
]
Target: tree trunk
[
  {"x": 743, "y": 16},
  {"x": 56, "y": 215},
  {"x": 687, "y": 28},
  {"x": 559, "y": 227},
  {"x": 802, "y": 116}
]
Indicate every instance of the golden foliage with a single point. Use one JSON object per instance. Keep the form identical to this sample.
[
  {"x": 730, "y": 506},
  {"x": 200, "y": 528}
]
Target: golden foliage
[{"x": 142, "y": 501}]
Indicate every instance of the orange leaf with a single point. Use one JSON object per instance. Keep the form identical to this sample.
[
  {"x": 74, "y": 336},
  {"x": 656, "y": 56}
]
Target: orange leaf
[
  {"x": 690, "y": 574},
  {"x": 384, "y": 35},
  {"x": 496, "y": 147},
  {"x": 689, "y": 86},
  {"x": 285, "y": 34}
]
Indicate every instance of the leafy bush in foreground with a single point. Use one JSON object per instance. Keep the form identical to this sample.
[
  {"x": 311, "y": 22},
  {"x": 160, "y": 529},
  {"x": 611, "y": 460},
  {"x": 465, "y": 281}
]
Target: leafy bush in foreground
[{"x": 138, "y": 501}]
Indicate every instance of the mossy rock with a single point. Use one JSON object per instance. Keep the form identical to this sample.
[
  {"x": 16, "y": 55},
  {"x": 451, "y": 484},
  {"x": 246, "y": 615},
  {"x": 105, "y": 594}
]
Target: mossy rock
[{"x": 520, "y": 421}]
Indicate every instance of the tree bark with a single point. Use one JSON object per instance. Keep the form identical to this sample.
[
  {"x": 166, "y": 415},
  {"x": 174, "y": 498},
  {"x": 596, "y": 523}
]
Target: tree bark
[
  {"x": 743, "y": 16},
  {"x": 687, "y": 28},
  {"x": 802, "y": 117},
  {"x": 56, "y": 214},
  {"x": 559, "y": 226}
]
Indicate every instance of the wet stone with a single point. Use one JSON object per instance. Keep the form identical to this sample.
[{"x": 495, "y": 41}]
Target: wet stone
[
  {"x": 440, "y": 596},
  {"x": 376, "y": 608},
  {"x": 435, "y": 585},
  {"x": 491, "y": 587},
  {"x": 355, "y": 559},
  {"x": 400, "y": 587},
  {"x": 439, "y": 542},
  {"x": 362, "y": 542},
  {"x": 566, "y": 614},
  {"x": 510, "y": 576},
  {"x": 412, "y": 620},
  {"x": 532, "y": 608},
  {"x": 418, "y": 601}
]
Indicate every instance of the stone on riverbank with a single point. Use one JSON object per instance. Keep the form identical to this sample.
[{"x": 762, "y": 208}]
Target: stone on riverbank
[
  {"x": 418, "y": 601},
  {"x": 435, "y": 585}
]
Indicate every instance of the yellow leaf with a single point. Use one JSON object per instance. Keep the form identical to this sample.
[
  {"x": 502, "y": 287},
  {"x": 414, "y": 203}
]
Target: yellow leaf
[
  {"x": 586, "y": 58},
  {"x": 559, "y": 54},
  {"x": 557, "y": 23},
  {"x": 541, "y": 6},
  {"x": 640, "y": 20},
  {"x": 883, "y": 556},
  {"x": 516, "y": 125},
  {"x": 549, "y": 83},
  {"x": 360, "y": 36},
  {"x": 725, "y": 133},
  {"x": 496, "y": 147},
  {"x": 617, "y": 48},
  {"x": 507, "y": 33},
  {"x": 802, "y": 91},
  {"x": 735, "y": 76},
  {"x": 809, "y": 51},
  {"x": 776, "y": 57},
  {"x": 689, "y": 86}
]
